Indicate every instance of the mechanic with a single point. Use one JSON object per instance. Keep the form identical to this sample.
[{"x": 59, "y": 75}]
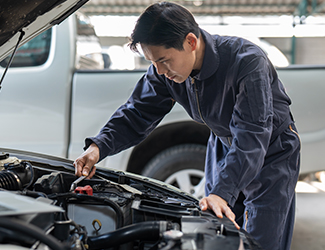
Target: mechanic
[{"x": 229, "y": 84}]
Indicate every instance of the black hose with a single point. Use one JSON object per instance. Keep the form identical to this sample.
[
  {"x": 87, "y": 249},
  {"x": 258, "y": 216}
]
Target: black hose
[
  {"x": 17, "y": 177},
  {"x": 33, "y": 232},
  {"x": 118, "y": 211},
  {"x": 112, "y": 204},
  {"x": 31, "y": 169},
  {"x": 149, "y": 230},
  {"x": 8, "y": 181}
]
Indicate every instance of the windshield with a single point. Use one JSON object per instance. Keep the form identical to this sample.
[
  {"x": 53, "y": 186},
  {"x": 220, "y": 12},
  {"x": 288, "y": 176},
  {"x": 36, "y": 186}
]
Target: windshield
[{"x": 33, "y": 53}]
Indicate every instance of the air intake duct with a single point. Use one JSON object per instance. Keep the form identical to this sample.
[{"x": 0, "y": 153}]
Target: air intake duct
[{"x": 16, "y": 177}]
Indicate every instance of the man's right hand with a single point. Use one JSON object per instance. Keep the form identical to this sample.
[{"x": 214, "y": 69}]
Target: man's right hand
[{"x": 85, "y": 163}]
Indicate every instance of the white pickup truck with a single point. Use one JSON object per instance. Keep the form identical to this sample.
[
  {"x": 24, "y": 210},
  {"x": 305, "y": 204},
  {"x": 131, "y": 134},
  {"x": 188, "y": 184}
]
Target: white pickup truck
[{"x": 50, "y": 106}]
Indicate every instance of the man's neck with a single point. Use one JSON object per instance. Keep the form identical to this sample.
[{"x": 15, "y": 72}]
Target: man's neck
[{"x": 199, "y": 53}]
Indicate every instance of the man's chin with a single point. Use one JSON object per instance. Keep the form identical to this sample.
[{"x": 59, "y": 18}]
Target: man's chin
[{"x": 178, "y": 80}]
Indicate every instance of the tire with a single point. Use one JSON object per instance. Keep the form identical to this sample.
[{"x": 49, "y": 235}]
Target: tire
[{"x": 181, "y": 166}]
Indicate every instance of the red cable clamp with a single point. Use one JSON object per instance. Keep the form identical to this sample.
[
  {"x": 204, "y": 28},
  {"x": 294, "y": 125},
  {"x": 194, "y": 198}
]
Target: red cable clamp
[{"x": 84, "y": 190}]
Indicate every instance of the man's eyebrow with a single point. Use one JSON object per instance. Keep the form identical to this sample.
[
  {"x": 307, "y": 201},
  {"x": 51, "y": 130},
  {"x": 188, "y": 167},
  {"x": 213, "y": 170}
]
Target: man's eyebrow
[{"x": 160, "y": 59}]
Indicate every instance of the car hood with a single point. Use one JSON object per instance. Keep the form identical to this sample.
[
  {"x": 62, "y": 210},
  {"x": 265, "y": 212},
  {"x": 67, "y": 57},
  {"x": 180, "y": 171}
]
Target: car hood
[{"x": 31, "y": 17}]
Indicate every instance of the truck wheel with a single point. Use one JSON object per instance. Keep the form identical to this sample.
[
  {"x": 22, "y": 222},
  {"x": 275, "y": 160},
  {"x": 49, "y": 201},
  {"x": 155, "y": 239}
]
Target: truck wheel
[{"x": 181, "y": 166}]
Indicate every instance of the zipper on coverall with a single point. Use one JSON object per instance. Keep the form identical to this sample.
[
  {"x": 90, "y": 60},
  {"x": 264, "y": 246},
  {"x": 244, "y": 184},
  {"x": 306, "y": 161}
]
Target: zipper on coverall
[
  {"x": 199, "y": 109},
  {"x": 198, "y": 104}
]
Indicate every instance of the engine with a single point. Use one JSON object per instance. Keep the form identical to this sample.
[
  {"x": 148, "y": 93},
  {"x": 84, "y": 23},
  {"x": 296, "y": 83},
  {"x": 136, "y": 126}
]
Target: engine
[{"x": 113, "y": 210}]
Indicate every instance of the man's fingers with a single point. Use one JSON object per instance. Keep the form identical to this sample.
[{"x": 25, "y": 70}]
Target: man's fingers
[
  {"x": 78, "y": 165},
  {"x": 210, "y": 203},
  {"x": 81, "y": 168},
  {"x": 84, "y": 164},
  {"x": 203, "y": 204},
  {"x": 92, "y": 172},
  {"x": 219, "y": 206},
  {"x": 89, "y": 170},
  {"x": 218, "y": 210},
  {"x": 229, "y": 214}
]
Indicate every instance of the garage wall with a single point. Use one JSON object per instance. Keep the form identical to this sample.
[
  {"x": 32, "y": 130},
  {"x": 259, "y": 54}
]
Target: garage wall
[
  {"x": 106, "y": 41},
  {"x": 309, "y": 50}
]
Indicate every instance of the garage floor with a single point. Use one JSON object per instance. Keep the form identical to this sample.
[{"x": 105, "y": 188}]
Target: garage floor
[{"x": 309, "y": 232}]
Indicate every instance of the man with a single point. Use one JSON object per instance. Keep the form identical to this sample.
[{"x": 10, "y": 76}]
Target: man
[{"x": 230, "y": 85}]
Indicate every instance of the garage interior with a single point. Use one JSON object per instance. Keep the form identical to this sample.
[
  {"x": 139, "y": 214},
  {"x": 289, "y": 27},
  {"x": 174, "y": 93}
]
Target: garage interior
[
  {"x": 298, "y": 50},
  {"x": 310, "y": 217}
]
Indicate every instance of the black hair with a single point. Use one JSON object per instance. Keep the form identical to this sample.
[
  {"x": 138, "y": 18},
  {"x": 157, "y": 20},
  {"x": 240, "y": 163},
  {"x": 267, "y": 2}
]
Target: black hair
[{"x": 164, "y": 24}]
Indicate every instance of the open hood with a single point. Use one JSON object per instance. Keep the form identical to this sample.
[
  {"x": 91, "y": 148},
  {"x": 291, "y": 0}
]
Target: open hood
[{"x": 31, "y": 18}]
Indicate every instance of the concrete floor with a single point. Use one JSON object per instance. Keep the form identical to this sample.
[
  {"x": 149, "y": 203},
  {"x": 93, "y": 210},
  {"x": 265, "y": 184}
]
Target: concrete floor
[{"x": 309, "y": 231}]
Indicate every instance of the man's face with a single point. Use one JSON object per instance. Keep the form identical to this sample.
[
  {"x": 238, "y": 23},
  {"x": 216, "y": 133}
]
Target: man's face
[{"x": 174, "y": 64}]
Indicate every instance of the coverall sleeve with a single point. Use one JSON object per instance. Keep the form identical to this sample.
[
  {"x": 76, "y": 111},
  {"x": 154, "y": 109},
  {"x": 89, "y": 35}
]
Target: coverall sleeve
[
  {"x": 251, "y": 130},
  {"x": 132, "y": 122}
]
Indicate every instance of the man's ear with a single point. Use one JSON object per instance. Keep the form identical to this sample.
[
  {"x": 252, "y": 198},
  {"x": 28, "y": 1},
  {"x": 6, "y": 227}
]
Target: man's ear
[{"x": 191, "y": 41}]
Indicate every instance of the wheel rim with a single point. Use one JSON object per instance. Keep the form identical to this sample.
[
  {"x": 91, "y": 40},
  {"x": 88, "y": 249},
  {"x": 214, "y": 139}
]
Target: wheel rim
[{"x": 191, "y": 181}]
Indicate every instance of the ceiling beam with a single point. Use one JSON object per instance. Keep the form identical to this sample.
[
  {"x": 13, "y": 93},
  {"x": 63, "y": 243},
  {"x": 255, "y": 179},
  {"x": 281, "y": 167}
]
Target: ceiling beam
[
  {"x": 211, "y": 7},
  {"x": 319, "y": 9}
]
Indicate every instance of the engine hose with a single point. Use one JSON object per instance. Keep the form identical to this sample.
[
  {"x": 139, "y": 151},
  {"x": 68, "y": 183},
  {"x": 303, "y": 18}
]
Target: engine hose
[
  {"x": 33, "y": 232},
  {"x": 30, "y": 167},
  {"x": 149, "y": 230},
  {"x": 112, "y": 204},
  {"x": 9, "y": 181}
]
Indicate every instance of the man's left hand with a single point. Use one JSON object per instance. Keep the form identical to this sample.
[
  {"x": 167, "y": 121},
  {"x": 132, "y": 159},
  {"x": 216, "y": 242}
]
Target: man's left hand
[{"x": 219, "y": 206}]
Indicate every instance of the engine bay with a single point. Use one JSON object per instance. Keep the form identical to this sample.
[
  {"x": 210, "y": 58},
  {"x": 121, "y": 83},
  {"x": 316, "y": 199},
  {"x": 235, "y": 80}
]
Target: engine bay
[{"x": 113, "y": 210}]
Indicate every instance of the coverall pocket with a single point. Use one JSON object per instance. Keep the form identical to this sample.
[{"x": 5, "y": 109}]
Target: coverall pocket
[{"x": 259, "y": 98}]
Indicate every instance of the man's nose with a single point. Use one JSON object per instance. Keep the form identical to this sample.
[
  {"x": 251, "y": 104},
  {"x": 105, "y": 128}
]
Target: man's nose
[{"x": 161, "y": 68}]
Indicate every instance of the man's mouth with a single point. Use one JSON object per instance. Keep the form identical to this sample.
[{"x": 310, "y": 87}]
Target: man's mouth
[{"x": 171, "y": 77}]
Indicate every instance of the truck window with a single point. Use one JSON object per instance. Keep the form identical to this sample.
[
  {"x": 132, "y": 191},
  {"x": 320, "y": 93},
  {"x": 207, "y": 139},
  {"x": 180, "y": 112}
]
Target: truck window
[
  {"x": 33, "y": 53},
  {"x": 89, "y": 52}
]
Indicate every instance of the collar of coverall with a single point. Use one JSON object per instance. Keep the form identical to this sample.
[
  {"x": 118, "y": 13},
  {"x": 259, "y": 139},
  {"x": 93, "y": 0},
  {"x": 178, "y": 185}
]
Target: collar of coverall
[{"x": 210, "y": 55}]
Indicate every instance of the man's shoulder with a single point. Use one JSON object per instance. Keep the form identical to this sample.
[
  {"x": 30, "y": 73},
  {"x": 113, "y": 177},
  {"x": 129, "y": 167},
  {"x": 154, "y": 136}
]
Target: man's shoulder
[{"x": 237, "y": 47}]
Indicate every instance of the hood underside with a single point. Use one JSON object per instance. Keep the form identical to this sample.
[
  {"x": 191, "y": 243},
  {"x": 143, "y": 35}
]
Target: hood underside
[{"x": 32, "y": 17}]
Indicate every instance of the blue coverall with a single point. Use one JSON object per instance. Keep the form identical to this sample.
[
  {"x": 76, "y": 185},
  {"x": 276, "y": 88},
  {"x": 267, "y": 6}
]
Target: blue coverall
[{"x": 253, "y": 146}]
